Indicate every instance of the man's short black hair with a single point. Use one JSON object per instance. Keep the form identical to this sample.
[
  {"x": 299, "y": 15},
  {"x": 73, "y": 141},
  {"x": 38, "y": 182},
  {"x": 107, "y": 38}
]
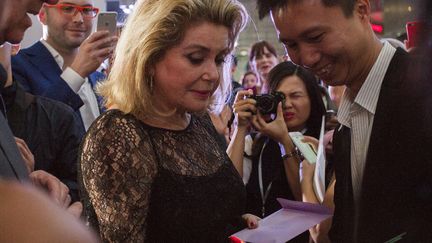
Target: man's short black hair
[{"x": 264, "y": 6}]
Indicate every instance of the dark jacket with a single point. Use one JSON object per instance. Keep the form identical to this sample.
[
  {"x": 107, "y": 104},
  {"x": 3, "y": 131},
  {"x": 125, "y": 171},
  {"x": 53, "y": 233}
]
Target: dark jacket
[
  {"x": 396, "y": 194},
  {"x": 51, "y": 130},
  {"x": 11, "y": 163}
]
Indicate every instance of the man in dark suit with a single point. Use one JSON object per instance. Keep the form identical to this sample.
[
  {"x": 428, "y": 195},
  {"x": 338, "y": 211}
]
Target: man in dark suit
[
  {"x": 382, "y": 149},
  {"x": 13, "y": 22},
  {"x": 48, "y": 132},
  {"x": 62, "y": 66},
  {"x": 11, "y": 163}
]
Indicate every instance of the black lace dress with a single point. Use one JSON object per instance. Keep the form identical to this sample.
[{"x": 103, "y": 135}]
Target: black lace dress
[{"x": 141, "y": 183}]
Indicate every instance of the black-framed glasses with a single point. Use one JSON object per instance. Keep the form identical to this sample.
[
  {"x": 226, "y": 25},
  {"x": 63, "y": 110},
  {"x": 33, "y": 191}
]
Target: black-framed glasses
[{"x": 87, "y": 12}]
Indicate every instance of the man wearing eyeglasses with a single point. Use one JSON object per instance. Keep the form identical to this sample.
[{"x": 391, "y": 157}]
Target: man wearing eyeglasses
[{"x": 62, "y": 65}]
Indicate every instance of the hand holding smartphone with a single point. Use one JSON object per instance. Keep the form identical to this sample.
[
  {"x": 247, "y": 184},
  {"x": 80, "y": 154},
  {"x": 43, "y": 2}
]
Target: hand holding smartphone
[
  {"x": 107, "y": 21},
  {"x": 305, "y": 148}
]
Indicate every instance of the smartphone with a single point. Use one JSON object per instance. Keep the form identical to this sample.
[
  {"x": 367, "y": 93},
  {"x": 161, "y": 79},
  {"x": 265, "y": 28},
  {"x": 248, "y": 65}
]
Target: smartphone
[
  {"x": 306, "y": 149},
  {"x": 107, "y": 21},
  {"x": 413, "y": 30}
]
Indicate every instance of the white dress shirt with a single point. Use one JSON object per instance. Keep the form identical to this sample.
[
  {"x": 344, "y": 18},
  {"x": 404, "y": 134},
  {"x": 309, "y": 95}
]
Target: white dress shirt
[
  {"x": 359, "y": 115},
  {"x": 81, "y": 86}
]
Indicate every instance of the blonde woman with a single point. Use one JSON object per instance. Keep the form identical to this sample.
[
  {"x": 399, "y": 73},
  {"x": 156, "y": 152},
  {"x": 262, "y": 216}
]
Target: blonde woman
[{"x": 152, "y": 167}]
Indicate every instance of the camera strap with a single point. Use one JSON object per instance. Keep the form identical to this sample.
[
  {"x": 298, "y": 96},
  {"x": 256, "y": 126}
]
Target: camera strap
[{"x": 264, "y": 195}]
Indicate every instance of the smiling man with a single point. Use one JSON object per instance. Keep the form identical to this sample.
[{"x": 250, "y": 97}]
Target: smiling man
[
  {"x": 382, "y": 148},
  {"x": 14, "y": 19},
  {"x": 62, "y": 66}
]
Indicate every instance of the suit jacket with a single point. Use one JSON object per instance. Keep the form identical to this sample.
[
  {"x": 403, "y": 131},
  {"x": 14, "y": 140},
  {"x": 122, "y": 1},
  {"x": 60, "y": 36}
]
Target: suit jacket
[
  {"x": 12, "y": 165},
  {"x": 396, "y": 194},
  {"x": 51, "y": 130},
  {"x": 38, "y": 72}
]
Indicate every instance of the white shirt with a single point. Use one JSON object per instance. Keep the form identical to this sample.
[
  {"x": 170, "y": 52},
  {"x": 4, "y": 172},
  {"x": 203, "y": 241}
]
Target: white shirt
[
  {"x": 81, "y": 86},
  {"x": 359, "y": 115}
]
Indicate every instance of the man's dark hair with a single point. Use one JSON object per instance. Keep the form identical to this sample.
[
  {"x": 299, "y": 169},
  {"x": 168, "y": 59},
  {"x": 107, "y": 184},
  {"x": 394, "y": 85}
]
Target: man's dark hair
[{"x": 264, "y": 6}]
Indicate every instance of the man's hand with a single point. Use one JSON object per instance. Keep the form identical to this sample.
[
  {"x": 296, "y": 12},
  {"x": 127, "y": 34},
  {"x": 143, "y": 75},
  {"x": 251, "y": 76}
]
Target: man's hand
[
  {"x": 58, "y": 191},
  {"x": 93, "y": 51},
  {"x": 26, "y": 154},
  {"x": 75, "y": 209},
  {"x": 5, "y": 55}
]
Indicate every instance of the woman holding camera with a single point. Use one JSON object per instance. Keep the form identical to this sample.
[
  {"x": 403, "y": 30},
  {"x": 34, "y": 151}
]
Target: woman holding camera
[{"x": 268, "y": 161}]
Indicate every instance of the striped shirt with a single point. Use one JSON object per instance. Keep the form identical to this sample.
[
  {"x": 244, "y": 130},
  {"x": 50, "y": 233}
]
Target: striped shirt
[{"x": 359, "y": 115}]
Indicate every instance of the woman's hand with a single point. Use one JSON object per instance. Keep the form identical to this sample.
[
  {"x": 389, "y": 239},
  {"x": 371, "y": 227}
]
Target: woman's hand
[
  {"x": 276, "y": 129},
  {"x": 244, "y": 108},
  {"x": 251, "y": 220},
  {"x": 307, "y": 171},
  {"x": 328, "y": 142},
  {"x": 312, "y": 141},
  {"x": 307, "y": 168}
]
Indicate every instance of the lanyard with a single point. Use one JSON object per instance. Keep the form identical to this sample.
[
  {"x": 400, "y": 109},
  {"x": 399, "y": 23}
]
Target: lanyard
[{"x": 265, "y": 194}]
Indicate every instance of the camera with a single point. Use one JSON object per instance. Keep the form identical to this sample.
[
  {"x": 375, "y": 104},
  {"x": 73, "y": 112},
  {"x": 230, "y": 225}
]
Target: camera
[
  {"x": 330, "y": 114},
  {"x": 267, "y": 103}
]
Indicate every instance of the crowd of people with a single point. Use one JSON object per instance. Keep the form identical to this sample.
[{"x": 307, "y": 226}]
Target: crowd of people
[{"x": 166, "y": 147}]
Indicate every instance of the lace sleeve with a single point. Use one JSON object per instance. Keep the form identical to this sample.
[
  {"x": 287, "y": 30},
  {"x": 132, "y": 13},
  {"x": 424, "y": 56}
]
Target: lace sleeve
[{"x": 118, "y": 168}]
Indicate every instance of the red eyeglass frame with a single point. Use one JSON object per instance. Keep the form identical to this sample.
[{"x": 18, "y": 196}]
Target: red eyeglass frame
[{"x": 77, "y": 7}]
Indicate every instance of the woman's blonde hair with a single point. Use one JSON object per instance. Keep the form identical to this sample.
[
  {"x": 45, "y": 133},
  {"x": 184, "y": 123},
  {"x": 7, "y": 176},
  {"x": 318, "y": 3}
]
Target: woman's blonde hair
[{"x": 154, "y": 27}]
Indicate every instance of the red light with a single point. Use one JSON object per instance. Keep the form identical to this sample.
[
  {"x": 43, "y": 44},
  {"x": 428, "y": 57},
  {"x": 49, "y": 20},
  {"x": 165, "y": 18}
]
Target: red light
[
  {"x": 377, "y": 28},
  {"x": 235, "y": 239}
]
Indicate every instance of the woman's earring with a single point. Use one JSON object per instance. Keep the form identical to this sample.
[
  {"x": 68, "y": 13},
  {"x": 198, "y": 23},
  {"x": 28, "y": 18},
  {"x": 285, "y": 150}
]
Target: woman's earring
[{"x": 151, "y": 84}]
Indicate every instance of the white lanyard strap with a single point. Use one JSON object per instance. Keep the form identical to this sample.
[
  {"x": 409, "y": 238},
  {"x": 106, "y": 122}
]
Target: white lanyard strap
[{"x": 261, "y": 185}]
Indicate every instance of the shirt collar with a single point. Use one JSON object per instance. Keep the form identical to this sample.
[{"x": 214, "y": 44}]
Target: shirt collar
[
  {"x": 368, "y": 95},
  {"x": 344, "y": 108},
  {"x": 57, "y": 57}
]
